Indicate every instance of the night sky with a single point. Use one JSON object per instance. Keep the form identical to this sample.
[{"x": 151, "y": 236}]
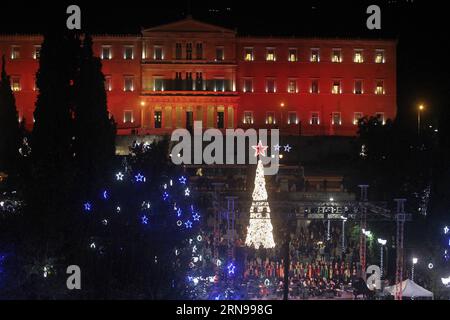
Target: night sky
[{"x": 420, "y": 27}]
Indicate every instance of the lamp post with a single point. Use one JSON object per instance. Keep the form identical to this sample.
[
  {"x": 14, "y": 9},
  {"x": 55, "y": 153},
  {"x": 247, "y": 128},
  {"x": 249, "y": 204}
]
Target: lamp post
[
  {"x": 281, "y": 113},
  {"x": 419, "y": 111},
  {"x": 414, "y": 262},
  {"x": 344, "y": 220},
  {"x": 382, "y": 243}
]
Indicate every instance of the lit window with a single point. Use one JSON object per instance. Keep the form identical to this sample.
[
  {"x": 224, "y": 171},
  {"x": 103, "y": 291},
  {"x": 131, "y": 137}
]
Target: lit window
[
  {"x": 248, "y": 85},
  {"x": 315, "y": 55},
  {"x": 314, "y": 86},
  {"x": 270, "y": 54},
  {"x": 159, "y": 85},
  {"x": 380, "y": 117},
  {"x": 248, "y": 54},
  {"x": 128, "y": 53},
  {"x": 128, "y": 116},
  {"x": 270, "y": 118},
  {"x": 358, "y": 57},
  {"x": 293, "y": 57},
  {"x": 336, "y": 119},
  {"x": 15, "y": 84},
  {"x": 315, "y": 121},
  {"x": 358, "y": 87},
  {"x": 37, "y": 52},
  {"x": 15, "y": 52},
  {"x": 128, "y": 83},
  {"x": 220, "y": 56},
  {"x": 292, "y": 86},
  {"x": 106, "y": 53},
  {"x": 336, "y": 87},
  {"x": 158, "y": 53},
  {"x": 379, "y": 89},
  {"x": 379, "y": 56},
  {"x": 292, "y": 118},
  {"x": 270, "y": 86},
  {"x": 108, "y": 83},
  {"x": 336, "y": 56},
  {"x": 158, "y": 119},
  {"x": 248, "y": 117},
  {"x": 357, "y": 116}
]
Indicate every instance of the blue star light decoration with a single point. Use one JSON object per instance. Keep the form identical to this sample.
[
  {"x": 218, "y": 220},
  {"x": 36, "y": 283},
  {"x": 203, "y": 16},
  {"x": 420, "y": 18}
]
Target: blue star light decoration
[
  {"x": 196, "y": 217},
  {"x": 139, "y": 178},
  {"x": 188, "y": 224},
  {"x": 87, "y": 207},
  {"x": 179, "y": 212},
  {"x": 105, "y": 194},
  {"x": 119, "y": 176},
  {"x": 165, "y": 196},
  {"x": 277, "y": 148},
  {"x": 231, "y": 268},
  {"x": 182, "y": 180},
  {"x": 144, "y": 219}
]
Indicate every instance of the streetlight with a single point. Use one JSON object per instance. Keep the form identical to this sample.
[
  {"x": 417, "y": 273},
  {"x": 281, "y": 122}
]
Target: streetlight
[
  {"x": 344, "y": 220},
  {"x": 414, "y": 262},
  {"x": 419, "y": 111},
  {"x": 281, "y": 112},
  {"x": 382, "y": 243}
]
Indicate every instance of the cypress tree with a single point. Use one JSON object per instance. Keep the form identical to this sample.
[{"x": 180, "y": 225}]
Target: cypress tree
[
  {"x": 9, "y": 125},
  {"x": 95, "y": 131}
]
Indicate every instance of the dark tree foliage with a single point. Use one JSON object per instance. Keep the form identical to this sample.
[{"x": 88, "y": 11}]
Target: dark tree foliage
[
  {"x": 94, "y": 130},
  {"x": 9, "y": 125}
]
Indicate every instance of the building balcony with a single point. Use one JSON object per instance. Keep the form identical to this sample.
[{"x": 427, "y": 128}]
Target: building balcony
[{"x": 191, "y": 87}]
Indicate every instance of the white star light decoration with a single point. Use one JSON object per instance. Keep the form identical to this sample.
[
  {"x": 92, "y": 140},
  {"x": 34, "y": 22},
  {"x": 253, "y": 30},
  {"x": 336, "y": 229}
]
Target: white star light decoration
[
  {"x": 187, "y": 192},
  {"x": 119, "y": 176},
  {"x": 287, "y": 148},
  {"x": 260, "y": 150},
  {"x": 446, "y": 230}
]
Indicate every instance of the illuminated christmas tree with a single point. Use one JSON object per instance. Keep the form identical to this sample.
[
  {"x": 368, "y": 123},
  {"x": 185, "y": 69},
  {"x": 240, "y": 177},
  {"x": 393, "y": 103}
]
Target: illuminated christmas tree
[{"x": 259, "y": 231}]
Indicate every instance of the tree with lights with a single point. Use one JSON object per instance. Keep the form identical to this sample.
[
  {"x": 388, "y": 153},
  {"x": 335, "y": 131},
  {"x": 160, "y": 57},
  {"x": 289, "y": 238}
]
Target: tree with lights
[{"x": 259, "y": 232}]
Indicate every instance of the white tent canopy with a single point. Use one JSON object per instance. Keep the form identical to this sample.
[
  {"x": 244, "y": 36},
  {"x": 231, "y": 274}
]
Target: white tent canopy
[{"x": 410, "y": 289}]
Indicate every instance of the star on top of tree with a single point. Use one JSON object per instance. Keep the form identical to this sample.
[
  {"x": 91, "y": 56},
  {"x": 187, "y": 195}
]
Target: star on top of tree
[{"x": 260, "y": 149}]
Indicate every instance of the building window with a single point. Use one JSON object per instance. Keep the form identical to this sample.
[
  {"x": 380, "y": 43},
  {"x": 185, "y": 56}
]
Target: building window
[
  {"x": 379, "y": 89},
  {"x": 159, "y": 84},
  {"x": 199, "y": 51},
  {"x": 128, "y": 116},
  {"x": 248, "y": 54},
  {"x": 293, "y": 55},
  {"x": 248, "y": 117},
  {"x": 358, "y": 56},
  {"x": 178, "y": 51},
  {"x": 380, "y": 117},
  {"x": 357, "y": 116},
  {"x": 219, "y": 85},
  {"x": 270, "y": 86},
  {"x": 106, "y": 53},
  {"x": 128, "y": 83},
  {"x": 336, "y": 119},
  {"x": 15, "y": 84},
  {"x": 158, "y": 53},
  {"x": 248, "y": 85},
  {"x": 292, "y": 118},
  {"x": 379, "y": 56},
  {"x": 158, "y": 119},
  {"x": 315, "y": 120},
  {"x": 15, "y": 52},
  {"x": 220, "y": 56},
  {"x": 108, "y": 83},
  {"x": 128, "y": 53},
  {"x": 315, "y": 55},
  {"x": 189, "y": 51},
  {"x": 270, "y": 54},
  {"x": 358, "y": 87},
  {"x": 292, "y": 86},
  {"x": 337, "y": 88},
  {"x": 198, "y": 81},
  {"x": 270, "y": 118},
  {"x": 37, "y": 52},
  {"x": 314, "y": 86},
  {"x": 336, "y": 56}
]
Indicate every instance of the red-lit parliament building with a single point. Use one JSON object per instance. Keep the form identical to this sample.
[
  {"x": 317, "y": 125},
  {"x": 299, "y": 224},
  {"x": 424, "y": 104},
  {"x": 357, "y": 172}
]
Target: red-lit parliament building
[{"x": 169, "y": 76}]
